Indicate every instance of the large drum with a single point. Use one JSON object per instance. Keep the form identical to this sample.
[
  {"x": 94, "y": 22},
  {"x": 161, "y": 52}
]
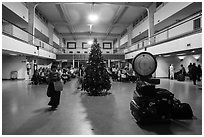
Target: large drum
[{"x": 144, "y": 64}]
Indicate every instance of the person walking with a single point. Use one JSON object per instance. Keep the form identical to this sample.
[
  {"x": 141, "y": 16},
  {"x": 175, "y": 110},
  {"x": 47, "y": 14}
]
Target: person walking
[
  {"x": 171, "y": 71},
  {"x": 194, "y": 73},
  {"x": 80, "y": 76},
  {"x": 54, "y": 95},
  {"x": 199, "y": 71}
]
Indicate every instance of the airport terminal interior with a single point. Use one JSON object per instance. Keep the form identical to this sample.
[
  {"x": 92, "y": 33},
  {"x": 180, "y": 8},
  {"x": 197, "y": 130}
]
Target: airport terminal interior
[{"x": 126, "y": 68}]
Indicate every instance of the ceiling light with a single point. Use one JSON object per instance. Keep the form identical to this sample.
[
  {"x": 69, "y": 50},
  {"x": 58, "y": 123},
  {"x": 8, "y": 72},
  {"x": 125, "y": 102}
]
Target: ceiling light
[
  {"x": 90, "y": 42},
  {"x": 181, "y": 57},
  {"x": 196, "y": 56},
  {"x": 13, "y": 54},
  {"x": 167, "y": 55},
  {"x": 93, "y": 17},
  {"x": 181, "y": 54},
  {"x": 193, "y": 51}
]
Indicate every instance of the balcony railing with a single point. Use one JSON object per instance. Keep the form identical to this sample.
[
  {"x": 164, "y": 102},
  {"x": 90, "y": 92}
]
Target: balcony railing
[
  {"x": 21, "y": 34},
  {"x": 178, "y": 30}
]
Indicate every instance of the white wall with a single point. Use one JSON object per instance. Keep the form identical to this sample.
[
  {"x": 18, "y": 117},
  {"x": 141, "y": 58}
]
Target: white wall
[
  {"x": 178, "y": 45},
  {"x": 41, "y": 27},
  {"x": 186, "y": 27},
  {"x": 168, "y": 10},
  {"x": 20, "y": 34},
  {"x": 56, "y": 39},
  {"x": 143, "y": 26},
  {"x": 12, "y": 44},
  {"x": 124, "y": 39},
  {"x": 18, "y": 8},
  {"x": 13, "y": 63}
]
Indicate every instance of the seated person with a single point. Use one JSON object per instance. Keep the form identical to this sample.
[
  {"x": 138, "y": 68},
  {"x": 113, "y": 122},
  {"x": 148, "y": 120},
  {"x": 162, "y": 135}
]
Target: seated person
[{"x": 65, "y": 76}]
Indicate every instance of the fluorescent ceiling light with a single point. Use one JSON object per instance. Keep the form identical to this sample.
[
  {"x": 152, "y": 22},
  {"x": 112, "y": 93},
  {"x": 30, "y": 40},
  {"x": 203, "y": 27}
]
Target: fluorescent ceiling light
[
  {"x": 167, "y": 55},
  {"x": 196, "y": 56},
  {"x": 13, "y": 54},
  {"x": 181, "y": 54},
  {"x": 93, "y": 17},
  {"x": 181, "y": 57}
]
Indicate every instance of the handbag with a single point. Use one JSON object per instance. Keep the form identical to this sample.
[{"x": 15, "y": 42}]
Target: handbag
[{"x": 58, "y": 86}]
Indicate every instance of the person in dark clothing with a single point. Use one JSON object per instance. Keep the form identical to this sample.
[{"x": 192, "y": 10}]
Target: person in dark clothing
[
  {"x": 182, "y": 70},
  {"x": 190, "y": 71},
  {"x": 80, "y": 76},
  {"x": 194, "y": 73},
  {"x": 54, "y": 95},
  {"x": 199, "y": 72}
]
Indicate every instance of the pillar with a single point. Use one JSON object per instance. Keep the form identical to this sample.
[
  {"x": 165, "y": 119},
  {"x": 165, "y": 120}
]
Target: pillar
[
  {"x": 31, "y": 19},
  {"x": 151, "y": 10},
  {"x": 129, "y": 31},
  {"x": 109, "y": 63},
  {"x": 51, "y": 32}
]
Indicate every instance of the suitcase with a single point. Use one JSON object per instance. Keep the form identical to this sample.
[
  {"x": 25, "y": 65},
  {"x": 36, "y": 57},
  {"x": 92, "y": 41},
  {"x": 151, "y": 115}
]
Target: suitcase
[
  {"x": 181, "y": 111},
  {"x": 181, "y": 77}
]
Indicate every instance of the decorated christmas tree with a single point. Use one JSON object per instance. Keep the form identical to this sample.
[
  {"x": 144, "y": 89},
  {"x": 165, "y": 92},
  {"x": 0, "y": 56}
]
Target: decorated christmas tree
[{"x": 96, "y": 80}]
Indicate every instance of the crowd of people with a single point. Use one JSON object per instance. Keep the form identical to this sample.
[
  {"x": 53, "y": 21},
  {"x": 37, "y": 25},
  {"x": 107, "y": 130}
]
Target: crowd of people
[
  {"x": 41, "y": 75},
  {"x": 194, "y": 72},
  {"x": 122, "y": 74}
]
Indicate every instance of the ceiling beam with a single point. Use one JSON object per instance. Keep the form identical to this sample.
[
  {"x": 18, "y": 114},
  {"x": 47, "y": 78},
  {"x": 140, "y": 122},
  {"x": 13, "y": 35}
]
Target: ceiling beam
[
  {"x": 100, "y": 24},
  {"x": 129, "y": 4},
  {"x": 88, "y": 34},
  {"x": 118, "y": 14},
  {"x": 66, "y": 19}
]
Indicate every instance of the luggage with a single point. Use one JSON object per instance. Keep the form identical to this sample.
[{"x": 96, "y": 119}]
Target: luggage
[
  {"x": 155, "y": 108},
  {"x": 144, "y": 114},
  {"x": 181, "y": 111},
  {"x": 181, "y": 77}
]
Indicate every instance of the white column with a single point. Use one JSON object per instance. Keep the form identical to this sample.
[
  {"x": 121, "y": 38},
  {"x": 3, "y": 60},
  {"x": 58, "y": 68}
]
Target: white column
[
  {"x": 109, "y": 62},
  {"x": 31, "y": 17},
  {"x": 151, "y": 11},
  {"x": 51, "y": 32},
  {"x": 129, "y": 30}
]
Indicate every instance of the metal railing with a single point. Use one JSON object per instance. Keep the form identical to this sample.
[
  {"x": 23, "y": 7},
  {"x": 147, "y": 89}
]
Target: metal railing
[
  {"x": 178, "y": 30},
  {"x": 21, "y": 34}
]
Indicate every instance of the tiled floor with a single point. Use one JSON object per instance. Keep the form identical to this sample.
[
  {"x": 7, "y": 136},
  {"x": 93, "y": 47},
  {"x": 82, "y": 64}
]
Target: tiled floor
[{"x": 25, "y": 111}]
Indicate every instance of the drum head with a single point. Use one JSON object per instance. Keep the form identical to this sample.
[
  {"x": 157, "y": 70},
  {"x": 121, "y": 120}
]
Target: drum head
[{"x": 144, "y": 64}]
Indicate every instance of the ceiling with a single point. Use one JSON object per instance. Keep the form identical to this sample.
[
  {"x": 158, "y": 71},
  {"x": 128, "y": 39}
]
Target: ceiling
[{"x": 71, "y": 19}]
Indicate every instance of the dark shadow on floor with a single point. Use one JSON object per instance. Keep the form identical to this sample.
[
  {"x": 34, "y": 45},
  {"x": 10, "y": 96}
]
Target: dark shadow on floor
[
  {"x": 173, "y": 127},
  {"x": 100, "y": 112},
  {"x": 34, "y": 123}
]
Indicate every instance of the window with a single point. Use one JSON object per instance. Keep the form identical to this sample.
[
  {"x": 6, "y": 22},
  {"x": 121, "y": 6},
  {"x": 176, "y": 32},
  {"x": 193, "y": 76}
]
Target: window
[
  {"x": 107, "y": 45},
  {"x": 85, "y": 45},
  {"x": 197, "y": 24},
  {"x": 70, "y": 51},
  {"x": 71, "y": 45},
  {"x": 85, "y": 52},
  {"x": 78, "y": 51},
  {"x": 107, "y": 52}
]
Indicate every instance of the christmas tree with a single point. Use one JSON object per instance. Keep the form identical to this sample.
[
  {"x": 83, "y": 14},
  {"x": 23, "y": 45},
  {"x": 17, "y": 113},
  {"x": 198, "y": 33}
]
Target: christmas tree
[{"x": 96, "y": 80}]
